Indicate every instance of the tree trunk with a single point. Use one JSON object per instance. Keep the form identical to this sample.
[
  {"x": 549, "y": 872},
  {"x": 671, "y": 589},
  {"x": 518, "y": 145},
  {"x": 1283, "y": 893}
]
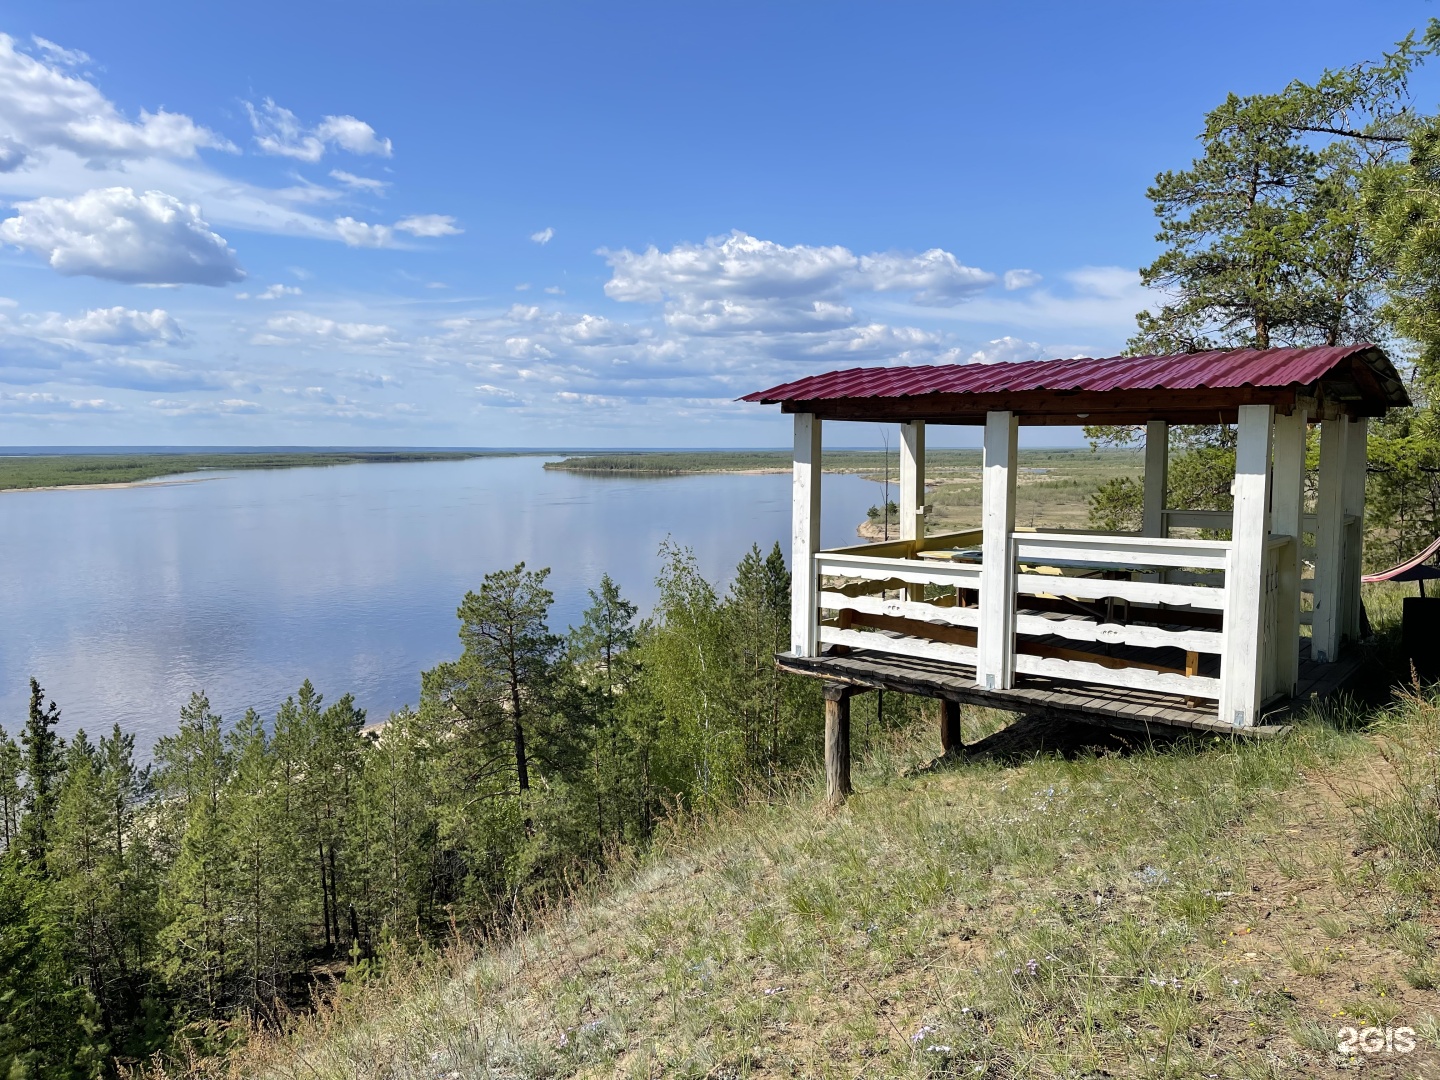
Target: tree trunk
[{"x": 324, "y": 900}]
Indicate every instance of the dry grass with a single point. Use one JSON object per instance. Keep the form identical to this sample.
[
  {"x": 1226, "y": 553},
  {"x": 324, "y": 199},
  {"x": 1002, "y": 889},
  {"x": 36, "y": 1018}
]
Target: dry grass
[{"x": 1204, "y": 909}]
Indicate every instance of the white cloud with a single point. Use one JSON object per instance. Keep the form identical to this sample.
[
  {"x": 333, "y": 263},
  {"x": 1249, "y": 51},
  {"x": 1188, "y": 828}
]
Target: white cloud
[
  {"x": 302, "y": 324},
  {"x": 42, "y": 105},
  {"x": 934, "y": 277},
  {"x": 60, "y": 137},
  {"x": 1020, "y": 279},
  {"x": 1008, "y": 350},
  {"x": 225, "y": 407},
  {"x": 745, "y": 285},
  {"x": 734, "y": 265},
  {"x": 113, "y": 233},
  {"x": 496, "y": 397},
  {"x": 544, "y": 236},
  {"x": 353, "y": 135},
  {"x": 276, "y": 292},
  {"x": 113, "y": 326},
  {"x": 428, "y": 225},
  {"x": 60, "y": 55},
  {"x": 554, "y": 290},
  {"x": 359, "y": 183},
  {"x": 126, "y": 373},
  {"x": 47, "y": 405},
  {"x": 279, "y": 131},
  {"x": 589, "y": 401},
  {"x": 360, "y": 234}
]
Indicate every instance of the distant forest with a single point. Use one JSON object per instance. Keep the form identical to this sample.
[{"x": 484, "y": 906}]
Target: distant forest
[{"x": 21, "y": 471}]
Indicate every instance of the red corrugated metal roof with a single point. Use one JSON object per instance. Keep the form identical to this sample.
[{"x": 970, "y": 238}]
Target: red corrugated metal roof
[{"x": 1186, "y": 371}]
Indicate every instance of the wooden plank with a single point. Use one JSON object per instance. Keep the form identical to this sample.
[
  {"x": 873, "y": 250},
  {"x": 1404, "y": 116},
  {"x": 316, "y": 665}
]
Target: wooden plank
[
  {"x": 1077, "y": 671},
  {"x": 1198, "y": 519},
  {"x": 906, "y": 609},
  {"x": 995, "y": 667},
  {"x": 934, "y": 650},
  {"x": 966, "y": 538},
  {"x": 959, "y": 635},
  {"x": 1138, "y": 613},
  {"x": 1241, "y": 674},
  {"x": 913, "y": 571},
  {"x": 1108, "y": 633},
  {"x": 1142, "y": 592},
  {"x": 885, "y": 549},
  {"x": 1122, "y": 550},
  {"x": 805, "y": 535}
]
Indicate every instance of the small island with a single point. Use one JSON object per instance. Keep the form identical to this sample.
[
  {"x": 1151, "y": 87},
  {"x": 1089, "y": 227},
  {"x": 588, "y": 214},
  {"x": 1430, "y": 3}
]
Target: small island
[{"x": 1055, "y": 485}]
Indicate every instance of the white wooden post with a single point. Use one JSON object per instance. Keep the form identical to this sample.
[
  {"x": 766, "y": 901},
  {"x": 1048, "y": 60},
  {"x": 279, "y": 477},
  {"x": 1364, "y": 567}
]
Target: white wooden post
[
  {"x": 1326, "y": 623},
  {"x": 995, "y": 669},
  {"x": 1287, "y": 505},
  {"x": 1157, "y": 476},
  {"x": 912, "y": 480},
  {"x": 1352, "y": 501},
  {"x": 805, "y": 537},
  {"x": 1240, "y": 665}
]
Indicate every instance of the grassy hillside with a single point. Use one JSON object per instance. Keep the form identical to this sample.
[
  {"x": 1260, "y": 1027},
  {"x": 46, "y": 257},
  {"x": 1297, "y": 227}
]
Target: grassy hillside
[
  {"x": 1057, "y": 904},
  {"x": 20, "y": 472}
]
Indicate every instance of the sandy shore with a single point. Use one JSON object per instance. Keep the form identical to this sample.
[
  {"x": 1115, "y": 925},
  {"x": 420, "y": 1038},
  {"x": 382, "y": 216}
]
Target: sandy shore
[{"x": 116, "y": 484}]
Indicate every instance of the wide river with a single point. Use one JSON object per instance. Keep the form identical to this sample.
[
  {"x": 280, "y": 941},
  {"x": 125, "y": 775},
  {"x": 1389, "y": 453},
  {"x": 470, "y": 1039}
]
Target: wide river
[{"x": 122, "y": 601}]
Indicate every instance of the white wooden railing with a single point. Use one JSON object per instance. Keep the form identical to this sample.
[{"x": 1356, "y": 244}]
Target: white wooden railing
[
  {"x": 1160, "y": 599},
  {"x": 898, "y": 573},
  {"x": 1160, "y": 594}
]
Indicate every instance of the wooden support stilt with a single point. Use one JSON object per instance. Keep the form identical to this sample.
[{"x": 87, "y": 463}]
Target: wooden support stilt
[
  {"x": 950, "y": 740},
  {"x": 837, "y": 742}
]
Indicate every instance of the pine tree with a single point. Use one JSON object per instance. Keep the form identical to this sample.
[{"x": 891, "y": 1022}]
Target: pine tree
[
  {"x": 510, "y": 647},
  {"x": 758, "y": 608},
  {"x": 49, "y": 1025},
  {"x": 193, "y": 770},
  {"x": 266, "y": 936},
  {"x": 396, "y": 830},
  {"x": 600, "y": 657},
  {"x": 85, "y": 886},
  {"x": 12, "y": 767},
  {"x": 44, "y": 769}
]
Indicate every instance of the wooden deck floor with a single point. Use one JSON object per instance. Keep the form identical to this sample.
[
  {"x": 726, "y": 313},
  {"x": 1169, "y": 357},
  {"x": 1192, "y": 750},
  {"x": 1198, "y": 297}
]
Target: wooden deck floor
[{"x": 1106, "y": 706}]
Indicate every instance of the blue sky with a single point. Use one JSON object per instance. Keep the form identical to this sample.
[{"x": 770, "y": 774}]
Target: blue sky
[{"x": 581, "y": 224}]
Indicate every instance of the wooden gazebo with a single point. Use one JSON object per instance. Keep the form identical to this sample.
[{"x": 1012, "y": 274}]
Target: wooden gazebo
[{"x": 1114, "y": 628}]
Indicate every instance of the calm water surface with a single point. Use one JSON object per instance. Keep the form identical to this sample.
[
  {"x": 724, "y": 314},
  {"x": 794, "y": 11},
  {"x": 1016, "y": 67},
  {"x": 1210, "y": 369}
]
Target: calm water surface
[{"x": 122, "y": 601}]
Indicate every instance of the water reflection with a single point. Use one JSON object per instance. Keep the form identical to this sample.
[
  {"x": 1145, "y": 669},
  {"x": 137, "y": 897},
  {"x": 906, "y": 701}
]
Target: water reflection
[{"x": 123, "y": 601}]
